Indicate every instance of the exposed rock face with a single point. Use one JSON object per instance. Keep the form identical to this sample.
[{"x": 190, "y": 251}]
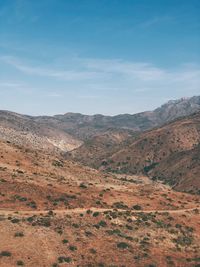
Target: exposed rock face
[{"x": 178, "y": 108}]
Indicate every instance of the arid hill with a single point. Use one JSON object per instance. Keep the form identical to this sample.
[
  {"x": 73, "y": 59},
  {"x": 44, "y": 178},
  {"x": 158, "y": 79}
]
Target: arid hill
[
  {"x": 98, "y": 148},
  {"x": 181, "y": 170},
  {"x": 22, "y": 129},
  {"x": 68, "y": 132},
  {"x": 54, "y": 212},
  {"x": 100, "y": 143},
  {"x": 170, "y": 153}
]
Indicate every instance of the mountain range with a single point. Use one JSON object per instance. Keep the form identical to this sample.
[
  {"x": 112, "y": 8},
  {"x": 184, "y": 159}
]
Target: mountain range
[{"x": 149, "y": 142}]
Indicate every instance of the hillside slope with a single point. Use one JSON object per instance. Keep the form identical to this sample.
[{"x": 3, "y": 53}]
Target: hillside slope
[
  {"x": 99, "y": 147},
  {"x": 181, "y": 170},
  {"x": 54, "y": 212},
  {"x": 162, "y": 152},
  {"x": 21, "y": 129},
  {"x": 67, "y": 132}
]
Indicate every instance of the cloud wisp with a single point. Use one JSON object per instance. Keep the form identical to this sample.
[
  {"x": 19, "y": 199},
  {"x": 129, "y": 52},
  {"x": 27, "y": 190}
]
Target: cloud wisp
[
  {"x": 112, "y": 74},
  {"x": 47, "y": 72}
]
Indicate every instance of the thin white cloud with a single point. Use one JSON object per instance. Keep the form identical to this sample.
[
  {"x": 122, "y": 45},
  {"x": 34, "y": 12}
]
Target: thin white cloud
[
  {"x": 54, "y": 94},
  {"x": 143, "y": 71},
  {"x": 10, "y": 84},
  {"x": 156, "y": 21},
  {"x": 96, "y": 75},
  {"x": 66, "y": 75}
]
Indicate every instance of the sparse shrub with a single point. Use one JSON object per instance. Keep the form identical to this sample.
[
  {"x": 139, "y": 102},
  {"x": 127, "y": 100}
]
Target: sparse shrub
[
  {"x": 59, "y": 230},
  {"x": 63, "y": 259},
  {"x": 129, "y": 227},
  {"x": 150, "y": 167},
  {"x": 44, "y": 222},
  {"x": 93, "y": 251},
  {"x": 5, "y": 254},
  {"x": 57, "y": 163},
  {"x": 183, "y": 240},
  {"x": 102, "y": 224},
  {"x": 50, "y": 213},
  {"x": 137, "y": 207},
  {"x": 123, "y": 245},
  {"x": 88, "y": 211},
  {"x": 32, "y": 204},
  {"x": 120, "y": 205},
  {"x": 19, "y": 234},
  {"x": 20, "y": 263},
  {"x": 65, "y": 241},
  {"x": 88, "y": 233},
  {"x": 83, "y": 186},
  {"x": 30, "y": 219},
  {"x": 15, "y": 220},
  {"x": 73, "y": 248},
  {"x": 75, "y": 225}
]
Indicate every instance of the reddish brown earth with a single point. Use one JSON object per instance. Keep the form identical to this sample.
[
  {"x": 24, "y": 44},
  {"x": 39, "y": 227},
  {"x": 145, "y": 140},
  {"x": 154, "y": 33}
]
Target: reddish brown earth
[
  {"x": 170, "y": 153},
  {"x": 54, "y": 212}
]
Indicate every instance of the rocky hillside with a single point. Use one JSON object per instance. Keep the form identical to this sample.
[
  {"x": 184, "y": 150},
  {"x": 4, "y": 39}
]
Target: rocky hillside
[
  {"x": 181, "y": 170},
  {"x": 100, "y": 143},
  {"x": 170, "y": 153},
  {"x": 24, "y": 130},
  {"x": 98, "y": 148},
  {"x": 177, "y": 108}
]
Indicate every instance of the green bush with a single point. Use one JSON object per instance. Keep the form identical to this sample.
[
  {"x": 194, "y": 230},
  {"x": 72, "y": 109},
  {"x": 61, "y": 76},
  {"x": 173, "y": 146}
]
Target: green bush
[
  {"x": 20, "y": 263},
  {"x": 95, "y": 214},
  {"x": 19, "y": 234},
  {"x": 15, "y": 220},
  {"x": 73, "y": 248},
  {"x": 123, "y": 245},
  {"x": 137, "y": 207},
  {"x": 65, "y": 241},
  {"x": 5, "y": 253},
  {"x": 63, "y": 259}
]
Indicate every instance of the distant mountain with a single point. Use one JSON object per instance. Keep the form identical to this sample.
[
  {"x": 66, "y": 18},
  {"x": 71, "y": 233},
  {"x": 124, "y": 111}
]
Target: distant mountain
[
  {"x": 101, "y": 143},
  {"x": 177, "y": 108},
  {"x": 71, "y": 130},
  {"x": 86, "y": 126}
]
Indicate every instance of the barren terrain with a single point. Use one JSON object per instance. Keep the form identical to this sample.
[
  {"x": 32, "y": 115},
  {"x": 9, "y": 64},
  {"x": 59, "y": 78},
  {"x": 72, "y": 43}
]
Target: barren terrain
[
  {"x": 139, "y": 207},
  {"x": 55, "y": 212}
]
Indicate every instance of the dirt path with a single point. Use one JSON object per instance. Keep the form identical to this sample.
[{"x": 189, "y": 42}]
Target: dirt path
[{"x": 84, "y": 210}]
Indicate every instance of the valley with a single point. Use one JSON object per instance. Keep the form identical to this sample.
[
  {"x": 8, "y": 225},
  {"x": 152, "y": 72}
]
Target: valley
[{"x": 99, "y": 200}]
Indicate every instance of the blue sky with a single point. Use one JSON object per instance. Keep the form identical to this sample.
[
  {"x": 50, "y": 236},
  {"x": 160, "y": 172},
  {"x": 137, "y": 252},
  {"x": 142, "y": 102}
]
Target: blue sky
[{"x": 97, "y": 56}]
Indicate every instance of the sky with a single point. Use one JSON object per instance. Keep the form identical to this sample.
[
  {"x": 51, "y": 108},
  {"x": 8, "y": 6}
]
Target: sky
[{"x": 97, "y": 56}]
